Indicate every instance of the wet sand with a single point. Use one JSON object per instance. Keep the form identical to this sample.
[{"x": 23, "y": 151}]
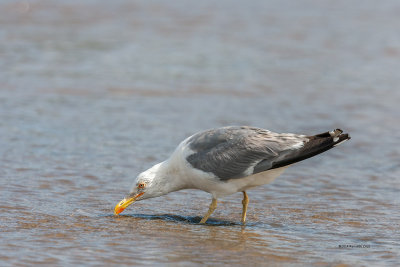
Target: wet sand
[{"x": 93, "y": 93}]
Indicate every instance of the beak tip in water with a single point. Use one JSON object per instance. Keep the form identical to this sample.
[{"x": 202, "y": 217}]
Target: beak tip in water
[
  {"x": 118, "y": 209},
  {"x": 125, "y": 203}
]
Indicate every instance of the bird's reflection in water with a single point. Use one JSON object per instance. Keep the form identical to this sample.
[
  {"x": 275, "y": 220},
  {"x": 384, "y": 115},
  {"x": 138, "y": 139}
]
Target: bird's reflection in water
[
  {"x": 177, "y": 218},
  {"x": 217, "y": 234}
]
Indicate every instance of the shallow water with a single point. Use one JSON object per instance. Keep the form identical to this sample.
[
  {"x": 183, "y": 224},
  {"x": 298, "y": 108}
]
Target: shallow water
[{"x": 92, "y": 94}]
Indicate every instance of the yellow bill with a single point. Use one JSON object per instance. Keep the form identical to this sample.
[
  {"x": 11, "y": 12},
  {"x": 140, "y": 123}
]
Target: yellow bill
[{"x": 123, "y": 204}]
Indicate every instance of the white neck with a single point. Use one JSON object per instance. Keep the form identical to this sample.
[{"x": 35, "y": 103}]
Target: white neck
[{"x": 165, "y": 179}]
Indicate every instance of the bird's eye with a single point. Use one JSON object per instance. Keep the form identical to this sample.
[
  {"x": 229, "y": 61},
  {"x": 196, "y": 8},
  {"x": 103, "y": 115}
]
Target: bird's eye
[{"x": 141, "y": 185}]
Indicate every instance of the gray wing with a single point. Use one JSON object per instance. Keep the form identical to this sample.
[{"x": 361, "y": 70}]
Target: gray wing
[{"x": 236, "y": 152}]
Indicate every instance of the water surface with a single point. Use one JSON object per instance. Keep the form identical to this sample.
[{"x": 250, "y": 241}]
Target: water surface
[{"x": 93, "y": 93}]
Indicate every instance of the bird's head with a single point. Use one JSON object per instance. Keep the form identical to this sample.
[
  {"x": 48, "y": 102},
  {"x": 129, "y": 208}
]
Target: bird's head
[{"x": 146, "y": 185}]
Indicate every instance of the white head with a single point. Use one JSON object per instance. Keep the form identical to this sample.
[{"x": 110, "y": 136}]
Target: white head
[{"x": 154, "y": 182}]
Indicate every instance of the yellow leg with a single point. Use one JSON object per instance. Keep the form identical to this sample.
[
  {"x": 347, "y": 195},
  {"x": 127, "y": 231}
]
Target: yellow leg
[
  {"x": 245, "y": 202},
  {"x": 211, "y": 209}
]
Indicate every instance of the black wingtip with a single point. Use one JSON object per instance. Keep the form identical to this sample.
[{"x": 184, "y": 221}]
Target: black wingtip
[
  {"x": 338, "y": 131},
  {"x": 342, "y": 138},
  {"x": 317, "y": 144}
]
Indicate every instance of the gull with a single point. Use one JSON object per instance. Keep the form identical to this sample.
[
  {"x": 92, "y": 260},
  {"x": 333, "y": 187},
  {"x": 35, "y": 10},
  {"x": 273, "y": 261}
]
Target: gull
[{"x": 227, "y": 160}]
